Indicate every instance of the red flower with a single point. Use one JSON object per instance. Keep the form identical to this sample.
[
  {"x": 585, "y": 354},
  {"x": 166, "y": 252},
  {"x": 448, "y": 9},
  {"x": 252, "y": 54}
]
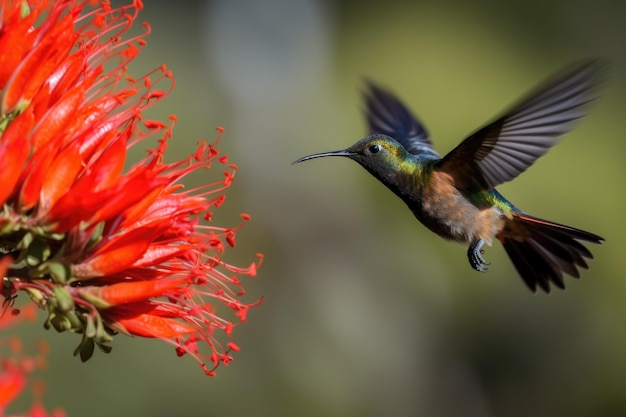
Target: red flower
[{"x": 105, "y": 250}]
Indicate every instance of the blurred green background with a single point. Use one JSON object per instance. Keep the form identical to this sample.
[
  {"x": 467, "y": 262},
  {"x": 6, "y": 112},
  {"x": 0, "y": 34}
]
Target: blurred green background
[{"x": 366, "y": 312}]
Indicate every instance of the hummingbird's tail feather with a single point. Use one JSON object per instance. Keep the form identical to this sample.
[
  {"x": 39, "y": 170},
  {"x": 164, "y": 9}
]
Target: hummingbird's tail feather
[{"x": 547, "y": 250}]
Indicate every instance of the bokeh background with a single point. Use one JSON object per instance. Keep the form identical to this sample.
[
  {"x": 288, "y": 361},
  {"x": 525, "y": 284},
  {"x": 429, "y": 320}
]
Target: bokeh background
[{"x": 366, "y": 312}]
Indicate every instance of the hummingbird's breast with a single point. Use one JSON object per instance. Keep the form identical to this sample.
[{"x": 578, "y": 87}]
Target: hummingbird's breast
[{"x": 448, "y": 212}]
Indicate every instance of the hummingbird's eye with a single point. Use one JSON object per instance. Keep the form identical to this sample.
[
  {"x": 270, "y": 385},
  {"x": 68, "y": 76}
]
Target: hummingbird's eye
[{"x": 374, "y": 148}]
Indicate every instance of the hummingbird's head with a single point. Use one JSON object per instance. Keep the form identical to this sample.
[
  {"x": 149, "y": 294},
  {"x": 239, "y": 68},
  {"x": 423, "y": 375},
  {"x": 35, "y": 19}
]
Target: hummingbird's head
[{"x": 380, "y": 155}]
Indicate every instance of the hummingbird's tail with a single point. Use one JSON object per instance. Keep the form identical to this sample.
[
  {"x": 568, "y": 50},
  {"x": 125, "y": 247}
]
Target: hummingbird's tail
[{"x": 542, "y": 250}]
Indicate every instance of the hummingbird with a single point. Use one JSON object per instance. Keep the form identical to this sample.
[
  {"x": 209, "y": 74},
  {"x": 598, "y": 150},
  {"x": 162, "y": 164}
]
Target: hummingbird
[{"x": 455, "y": 196}]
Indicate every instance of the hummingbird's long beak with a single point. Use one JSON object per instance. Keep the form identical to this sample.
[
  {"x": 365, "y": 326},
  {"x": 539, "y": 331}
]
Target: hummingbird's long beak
[{"x": 322, "y": 154}]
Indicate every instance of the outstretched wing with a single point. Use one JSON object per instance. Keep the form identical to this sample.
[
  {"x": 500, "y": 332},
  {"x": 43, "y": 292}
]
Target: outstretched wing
[
  {"x": 505, "y": 148},
  {"x": 389, "y": 116}
]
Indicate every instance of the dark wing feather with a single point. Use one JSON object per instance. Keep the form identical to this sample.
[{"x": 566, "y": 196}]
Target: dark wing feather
[
  {"x": 389, "y": 116},
  {"x": 505, "y": 148}
]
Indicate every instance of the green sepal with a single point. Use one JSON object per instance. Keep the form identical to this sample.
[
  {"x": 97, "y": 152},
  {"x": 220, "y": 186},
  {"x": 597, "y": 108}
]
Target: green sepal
[
  {"x": 95, "y": 238},
  {"x": 24, "y": 9},
  {"x": 102, "y": 335},
  {"x": 59, "y": 272},
  {"x": 85, "y": 349},
  {"x": 95, "y": 334},
  {"x": 36, "y": 297},
  {"x": 64, "y": 299},
  {"x": 104, "y": 348},
  {"x": 90, "y": 328},
  {"x": 88, "y": 295},
  {"x": 61, "y": 312},
  {"x": 26, "y": 241},
  {"x": 60, "y": 323}
]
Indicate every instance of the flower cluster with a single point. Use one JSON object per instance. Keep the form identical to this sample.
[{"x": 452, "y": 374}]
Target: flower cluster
[{"x": 104, "y": 249}]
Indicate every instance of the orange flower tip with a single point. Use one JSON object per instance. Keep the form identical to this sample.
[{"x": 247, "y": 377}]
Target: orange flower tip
[
  {"x": 99, "y": 21},
  {"x": 242, "y": 314},
  {"x": 226, "y": 359},
  {"x": 155, "y": 94},
  {"x": 223, "y": 159},
  {"x": 245, "y": 216},
  {"x": 252, "y": 269},
  {"x": 154, "y": 124},
  {"x": 173, "y": 117},
  {"x": 220, "y": 129},
  {"x": 207, "y": 371},
  {"x": 233, "y": 346},
  {"x": 176, "y": 187},
  {"x": 233, "y": 166},
  {"x": 219, "y": 200},
  {"x": 131, "y": 52}
]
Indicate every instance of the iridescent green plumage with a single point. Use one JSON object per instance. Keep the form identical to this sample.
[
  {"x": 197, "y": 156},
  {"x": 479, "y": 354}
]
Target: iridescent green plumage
[{"x": 455, "y": 196}]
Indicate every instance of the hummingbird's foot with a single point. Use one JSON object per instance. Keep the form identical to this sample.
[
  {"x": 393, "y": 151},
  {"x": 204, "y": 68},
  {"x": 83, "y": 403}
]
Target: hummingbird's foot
[{"x": 474, "y": 254}]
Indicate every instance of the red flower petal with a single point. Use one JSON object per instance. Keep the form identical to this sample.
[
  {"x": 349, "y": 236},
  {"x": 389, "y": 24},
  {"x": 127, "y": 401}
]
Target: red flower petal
[
  {"x": 147, "y": 325},
  {"x": 117, "y": 254}
]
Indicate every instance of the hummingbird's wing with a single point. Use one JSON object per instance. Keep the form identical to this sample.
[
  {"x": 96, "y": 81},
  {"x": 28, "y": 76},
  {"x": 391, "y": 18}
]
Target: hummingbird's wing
[
  {"x": 389, "y": 116},
  {"x": 505, "y": 148}
]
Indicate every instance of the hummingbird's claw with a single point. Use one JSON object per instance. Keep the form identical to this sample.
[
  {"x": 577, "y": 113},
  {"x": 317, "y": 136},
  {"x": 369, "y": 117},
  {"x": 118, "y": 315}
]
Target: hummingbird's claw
[
  {"x": 474, "y": 254},
  {"x": 481, "y": 259}
]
